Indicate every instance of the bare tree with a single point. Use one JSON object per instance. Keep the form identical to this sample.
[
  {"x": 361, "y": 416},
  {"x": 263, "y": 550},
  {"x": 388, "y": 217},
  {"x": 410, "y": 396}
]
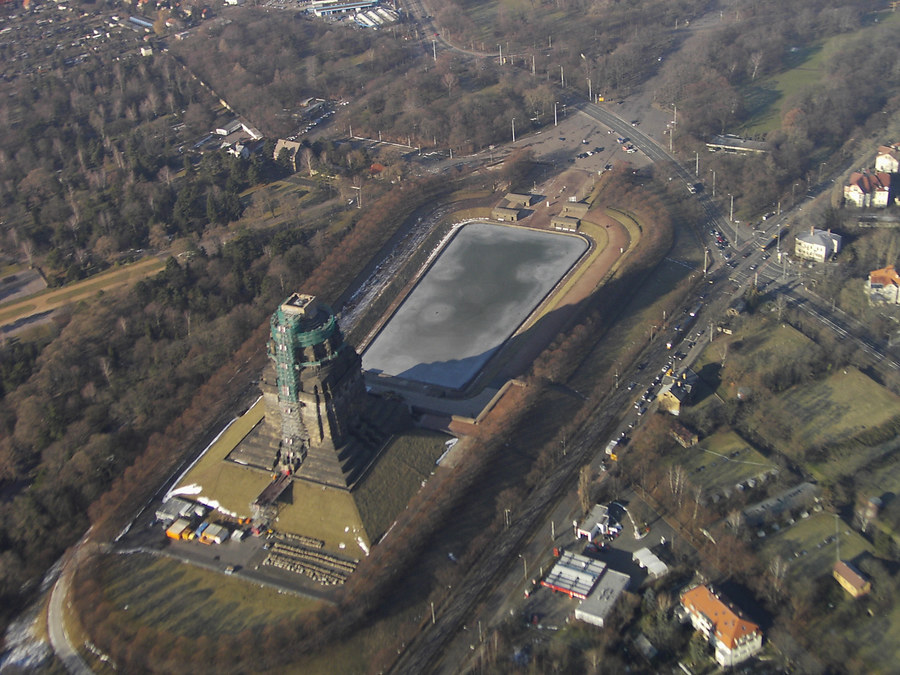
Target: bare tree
[{"x": 584, "y": 488}]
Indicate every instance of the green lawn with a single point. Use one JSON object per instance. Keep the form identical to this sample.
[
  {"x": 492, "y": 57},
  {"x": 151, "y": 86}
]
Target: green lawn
[
  {"x": 190, "y": 601},
  {"x": 720, "y": 461},
  {"x": 765, "y": 98},
  {"x": 398, "y": 475},
  {"x": 810, "y": 534},
  {"x": 834, "y": 410},
  {"x": 749, "y": 349}
]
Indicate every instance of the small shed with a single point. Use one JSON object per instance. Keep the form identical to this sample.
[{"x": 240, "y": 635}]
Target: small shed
[
  {"x": 519, "y": 199},
  {"x": 180, "y": 529},
  {"x": 851, "y": 579},
  {"x": 648, "y": 560},
  {"x": 173, "y": 509},
  {"x": 214, "y": 534},
  {"x": 576, "y": 209},
  {"x": 505, "y": 214},
  {"x": 565, "y": 223}
]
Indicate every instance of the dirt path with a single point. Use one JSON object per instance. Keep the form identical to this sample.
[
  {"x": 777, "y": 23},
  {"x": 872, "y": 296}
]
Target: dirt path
[{"x": 17, "y": 313}]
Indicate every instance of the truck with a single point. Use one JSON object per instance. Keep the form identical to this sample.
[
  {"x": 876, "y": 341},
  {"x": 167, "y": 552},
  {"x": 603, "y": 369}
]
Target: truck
[{"x": 611, "y": 446}]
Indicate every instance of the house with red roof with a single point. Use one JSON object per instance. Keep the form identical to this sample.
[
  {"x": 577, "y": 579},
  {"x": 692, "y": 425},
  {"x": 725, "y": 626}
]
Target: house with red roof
[
  {"x": 884, "y": 285},
  {"x": 734, "y": 638},
  {"x": 868, "y": 189}
]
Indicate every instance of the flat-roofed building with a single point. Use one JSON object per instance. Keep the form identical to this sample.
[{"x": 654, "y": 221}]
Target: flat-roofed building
[
  {"x": 596, "y": 607},
  {"x": 574, "y": 574}
]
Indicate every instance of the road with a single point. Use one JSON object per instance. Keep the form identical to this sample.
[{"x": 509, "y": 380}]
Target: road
[{"x": 59, "y": 638}]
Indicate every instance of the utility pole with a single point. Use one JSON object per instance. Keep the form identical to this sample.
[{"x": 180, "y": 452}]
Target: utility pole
[
  {"x": 705, "y": 260},
  {"x": 500, "y": 47},
  {"x": 714, "y": 181},
  {"x": 533, "y": 72},
  {"x": 697, "y": 164},
  {"x": 731, "y": 211},
  {"x": 590, "y": 91},
  {"x": 434, "y": 50},
  {"x": 514, "y": 129},
  {"x": 562, "y": 77},
  {"x": 555, "y": 119}
]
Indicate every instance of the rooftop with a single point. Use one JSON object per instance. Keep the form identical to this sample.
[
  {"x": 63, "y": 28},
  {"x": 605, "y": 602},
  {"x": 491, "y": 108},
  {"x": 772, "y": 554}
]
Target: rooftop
[
  {"x": 729, "y": 625},
  {"x": 574, "y": 574}
]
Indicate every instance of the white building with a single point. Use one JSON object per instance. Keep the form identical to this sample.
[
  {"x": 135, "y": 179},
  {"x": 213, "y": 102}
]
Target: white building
[
  {"x": 817, "y": 245},
  {"x": 734, "y": 638},
  {"x": 868, "y": 190},
  {"x": 884, "y": 286},
  {"x": 597, "y": 606},
  {"x": 888, "y": 158},
  {"x": 596, "y": 523}
]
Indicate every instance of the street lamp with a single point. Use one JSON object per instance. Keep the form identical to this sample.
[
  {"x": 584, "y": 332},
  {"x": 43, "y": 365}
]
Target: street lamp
[
  {"x": 714, "y": 182},
  {"x": 731, "y": 211},
  {"x": 525, "y": 566},
  {"x": 590, "y": 91},
  {"x": 562, "y": 77},
  {"x": 514, "y": 129},
  {"x": 555, "y": 119}
]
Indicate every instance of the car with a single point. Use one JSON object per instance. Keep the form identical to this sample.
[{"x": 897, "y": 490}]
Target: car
[
  {"x": 562, "y": 138},
  {"x": 766, "y": 256},
  {"x": 621, "y": 140},
  {"x": 634, "y": 123},
  {"x": 632, "y": 385},
  {"x": 598, "y": 149},
  {"x": 584, "y": 141},
  {"x": 608, "y": 167},
  {"x": 692, "y": 189},
  {"x": 753, "y": 267}
]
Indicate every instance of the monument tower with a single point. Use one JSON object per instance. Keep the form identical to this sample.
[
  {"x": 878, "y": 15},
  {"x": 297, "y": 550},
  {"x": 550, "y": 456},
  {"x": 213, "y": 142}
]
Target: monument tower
[{"x": 313, "y": 391}]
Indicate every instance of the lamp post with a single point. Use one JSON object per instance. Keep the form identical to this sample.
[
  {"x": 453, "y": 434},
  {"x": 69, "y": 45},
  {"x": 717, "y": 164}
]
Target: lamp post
[
  {"x": 562, "y": 77},
  {"x": 514, "y": 129},
  {"x": 714, "y": 182},
  {"x": 731, "y": 210},
  {"x": 590, "y": 91},
  {"x": 697, "y": 164},
  {"x": 524, "y": 565},
  {"x": 555, "y": 119}
]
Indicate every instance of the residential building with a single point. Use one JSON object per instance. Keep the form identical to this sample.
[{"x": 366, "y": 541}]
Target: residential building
[
  {"x": 888, "y": 158},
  {"x": 684, "y": 436},
  {"x": 868, "y": 190},
  {"x": 851, "y": 579},
  {"x": 884, "y": 285},
  {"x": 676, "y": 391},
  {"x": 817, "y": 245},
  {"x": 733, "y": 637}
]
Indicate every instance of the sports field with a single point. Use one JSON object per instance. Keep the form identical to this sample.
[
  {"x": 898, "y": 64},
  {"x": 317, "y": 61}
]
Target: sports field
[{"x": 483, "y": 285}]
